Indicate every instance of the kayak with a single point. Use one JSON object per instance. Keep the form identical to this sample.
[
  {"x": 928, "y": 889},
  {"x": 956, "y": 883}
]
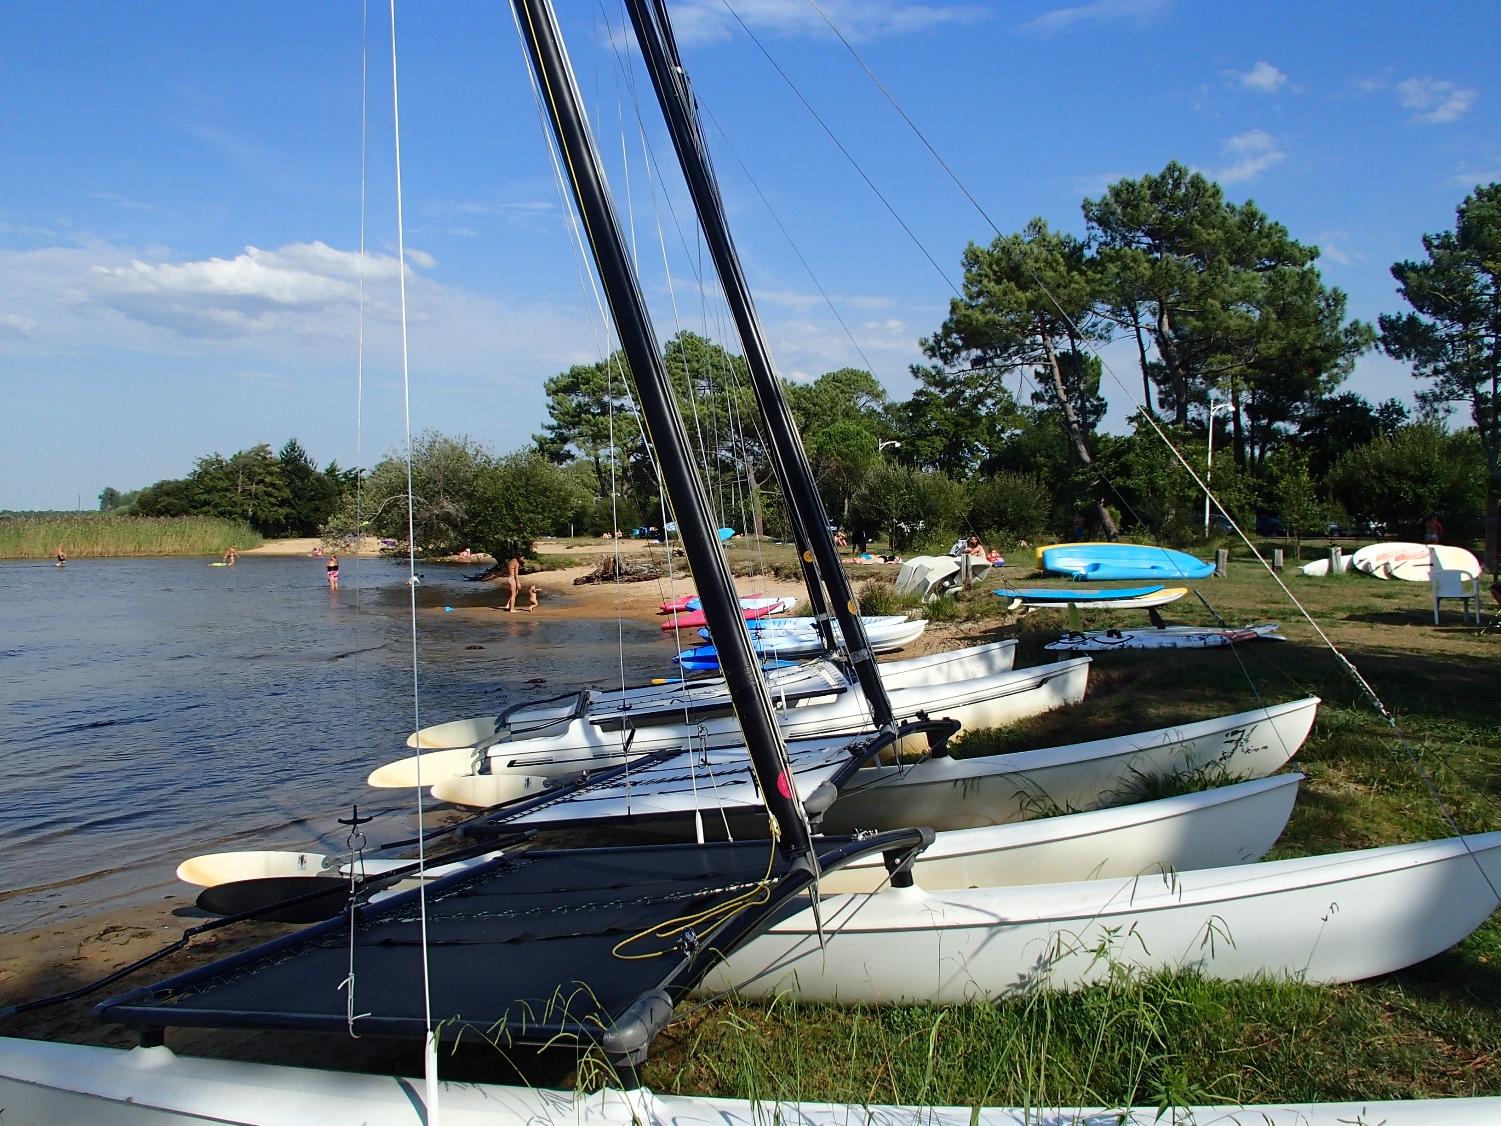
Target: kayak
[
  {"x": 1095, "y": 562},
  {"x": 693, "y": 619}
]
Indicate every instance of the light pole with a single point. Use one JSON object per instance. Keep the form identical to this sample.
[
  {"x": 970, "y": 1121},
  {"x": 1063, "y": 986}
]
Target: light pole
[{"x": 1214, "y": 409}]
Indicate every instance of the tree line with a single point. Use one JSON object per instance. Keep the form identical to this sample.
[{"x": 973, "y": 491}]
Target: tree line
[
  {"x": 1232, "y": 327},
  {"x": 277, "y": 494}
]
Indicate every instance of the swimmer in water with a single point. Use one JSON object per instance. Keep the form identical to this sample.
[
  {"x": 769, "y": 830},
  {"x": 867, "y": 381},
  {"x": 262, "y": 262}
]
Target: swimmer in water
[
  {"x": 229, "y": 557},
  {"x": 333, "y": 572},
  {"x": 62, "y": 556}
]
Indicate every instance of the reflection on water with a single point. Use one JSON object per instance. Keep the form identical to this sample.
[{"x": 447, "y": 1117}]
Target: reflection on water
[{"x": 151, "y": 709}]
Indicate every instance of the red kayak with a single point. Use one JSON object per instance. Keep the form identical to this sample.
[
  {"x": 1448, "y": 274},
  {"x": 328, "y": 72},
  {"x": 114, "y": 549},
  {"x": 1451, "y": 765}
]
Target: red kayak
[
  {"x": 677, "y": 605},
  {"x": 693, "y": 619}
]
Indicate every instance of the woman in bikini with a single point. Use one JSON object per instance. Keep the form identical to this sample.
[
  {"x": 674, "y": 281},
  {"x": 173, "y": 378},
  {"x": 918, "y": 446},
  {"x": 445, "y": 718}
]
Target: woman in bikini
[{"x": 333, "y": 572}]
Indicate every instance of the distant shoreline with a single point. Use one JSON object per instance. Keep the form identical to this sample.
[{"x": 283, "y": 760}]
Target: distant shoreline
[{"x": 104, "y": 536}]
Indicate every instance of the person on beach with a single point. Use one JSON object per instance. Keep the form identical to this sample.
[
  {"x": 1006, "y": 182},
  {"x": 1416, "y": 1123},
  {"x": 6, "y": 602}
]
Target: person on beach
[
  {"x": 532, "y": 592},
  {"x": 333, "y": 572},
  {"x": 1433, "y": 531},
  {"x": 974, "y": 547},
  {"x": 317, "y": 552},
  {"x": 62, "y": 556},
  {"x": 229, "y": 557},
  {"x": 513, "y": 580}
]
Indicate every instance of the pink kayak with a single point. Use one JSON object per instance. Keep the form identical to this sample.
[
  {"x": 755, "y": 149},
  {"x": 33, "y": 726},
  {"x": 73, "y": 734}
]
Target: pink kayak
[
  {"x": 693, "y": 619},
  {"x": 677, "y": 605}
]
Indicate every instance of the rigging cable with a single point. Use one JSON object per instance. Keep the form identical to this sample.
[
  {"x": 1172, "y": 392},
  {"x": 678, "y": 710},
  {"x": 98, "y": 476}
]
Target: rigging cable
[
  {"x": 348, "y": 984},
  {"x": 430, "y": 1047},
  {"x": 1359, "y": 678}
]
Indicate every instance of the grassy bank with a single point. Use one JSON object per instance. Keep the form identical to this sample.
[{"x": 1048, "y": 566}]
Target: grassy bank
[
  {"x": 99, "y": 536},
  {"x": 1178, "y": 1039}
]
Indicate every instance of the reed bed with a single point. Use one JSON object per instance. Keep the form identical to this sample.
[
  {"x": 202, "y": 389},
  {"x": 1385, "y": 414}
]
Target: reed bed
[{"x": 101, "y": 536}]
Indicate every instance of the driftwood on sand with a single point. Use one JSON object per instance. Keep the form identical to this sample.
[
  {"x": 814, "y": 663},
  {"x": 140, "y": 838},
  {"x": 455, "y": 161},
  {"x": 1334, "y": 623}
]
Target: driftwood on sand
[{"x": 617, "y": 568}]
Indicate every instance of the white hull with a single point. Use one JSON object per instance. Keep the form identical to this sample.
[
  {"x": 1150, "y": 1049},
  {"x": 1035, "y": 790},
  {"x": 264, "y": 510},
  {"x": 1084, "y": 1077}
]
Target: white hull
[
  {"x": 1142, "y": 602},
  {"x": 1213, "y": 829},
  {"x": 959, "y": 686},
  {"x": 1343, "y": 917},
  {"x": 45, "y": 1084},
  {"x": 949, "y": 793}
]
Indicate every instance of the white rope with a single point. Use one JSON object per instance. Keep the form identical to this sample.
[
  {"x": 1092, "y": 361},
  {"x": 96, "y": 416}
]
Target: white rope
[{"x": 430, "y": 1052}]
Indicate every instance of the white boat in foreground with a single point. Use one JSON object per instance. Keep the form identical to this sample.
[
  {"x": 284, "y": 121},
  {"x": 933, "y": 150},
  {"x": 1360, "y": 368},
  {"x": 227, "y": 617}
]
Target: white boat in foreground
[
  {"x": 46, "y": 1084},
  {"x": 1342, "y": 917},
  {"x": 943, "y": 792},
  {"x": 1210, "y": 829},
  {"x": 1164, "y": 637}
]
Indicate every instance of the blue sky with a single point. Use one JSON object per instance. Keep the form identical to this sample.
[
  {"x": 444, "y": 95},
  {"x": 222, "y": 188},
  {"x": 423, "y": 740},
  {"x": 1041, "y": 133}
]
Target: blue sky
[{"x": 180, "y": 193}]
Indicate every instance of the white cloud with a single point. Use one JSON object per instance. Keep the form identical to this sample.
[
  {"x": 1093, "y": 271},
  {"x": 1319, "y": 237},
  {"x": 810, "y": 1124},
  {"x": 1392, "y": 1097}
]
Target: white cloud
[
  {"x": 1435, "y": 100},
  {"x": 708, "y": 21},
  {"x": 1468, "y": 180},
  {"x": 1329, "y": 246},
  {"x": 250, "y": 293},
  {"x": 13, "y": 324},
  {"x": 1101, "y": 11},
  {"x": 1264, "y": 77},
  {"x": 1250, "y": 154}
]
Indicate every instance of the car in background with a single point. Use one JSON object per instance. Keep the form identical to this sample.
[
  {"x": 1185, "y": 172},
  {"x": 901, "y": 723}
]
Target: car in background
[{"x": 1270, "y": 526}]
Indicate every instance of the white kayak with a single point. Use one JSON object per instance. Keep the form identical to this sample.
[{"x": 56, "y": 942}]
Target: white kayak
[
  {"x": 1169, "y": 637},
  {"x": 51, "y": 1084},
  {"x": 794, "y": 638},
  {"x": 943, "y": 792},
  {"x": 977, "y": 687},
  {"x": 1215, "y": 828},
  {"x": 1336, "y": 918},
  {"x": 1320, "y": 567}
]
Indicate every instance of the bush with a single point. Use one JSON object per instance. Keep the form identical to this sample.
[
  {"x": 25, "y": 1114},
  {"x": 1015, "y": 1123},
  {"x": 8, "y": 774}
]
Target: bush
[
  {"x": 1418, "y": 471},
  {"x": 1010, "y": 506},
  {"x": 907, "y": 506}
]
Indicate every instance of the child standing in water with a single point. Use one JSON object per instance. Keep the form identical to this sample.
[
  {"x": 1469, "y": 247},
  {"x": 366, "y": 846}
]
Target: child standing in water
[
  {"x": 333, "y": 572},
  {"x": 532, "y": 592}
]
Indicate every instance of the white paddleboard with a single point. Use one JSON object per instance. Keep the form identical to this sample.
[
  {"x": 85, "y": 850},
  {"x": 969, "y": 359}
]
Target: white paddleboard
[
  {"x": 1447, "y": 559},
  {"x": 1173, "y": 637},
  {"x": 1378, "y": 558},
  {"x": 1161, "y": 598}
]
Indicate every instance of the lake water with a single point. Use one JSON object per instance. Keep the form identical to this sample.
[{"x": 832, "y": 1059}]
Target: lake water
[{"x": 153, "y": 709}]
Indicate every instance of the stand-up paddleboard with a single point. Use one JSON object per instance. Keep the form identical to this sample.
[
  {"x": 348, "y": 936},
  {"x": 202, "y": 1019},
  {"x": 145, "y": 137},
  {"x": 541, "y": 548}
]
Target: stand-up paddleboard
[
  {"x": 1170, "y": 637},
  {"x": 218, "y": 564},
  {"x": 1064, "y": 594},
  {"x": 1378, "y": 558},
  {"x": 1442, "y": 556},
  {"x": 1096, "y": 562},
  {"x": 1103, "y": 601}
]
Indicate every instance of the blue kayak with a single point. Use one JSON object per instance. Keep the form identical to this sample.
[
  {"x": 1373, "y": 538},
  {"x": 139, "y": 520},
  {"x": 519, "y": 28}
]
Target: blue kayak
[
  {"x": 705, "y": 659},
  {"x": 1103, "y": 562},
  {"x": 1054, "y": 594}
]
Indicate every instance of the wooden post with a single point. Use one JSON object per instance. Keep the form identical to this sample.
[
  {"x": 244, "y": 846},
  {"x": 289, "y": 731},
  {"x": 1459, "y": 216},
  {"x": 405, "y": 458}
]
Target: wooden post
[
  {"x": 1277, "y": 559},
  {"x": 966, "y": 569},
  {"x": 1221, "y": 562},
  {"x": 1336, "y": 560}
]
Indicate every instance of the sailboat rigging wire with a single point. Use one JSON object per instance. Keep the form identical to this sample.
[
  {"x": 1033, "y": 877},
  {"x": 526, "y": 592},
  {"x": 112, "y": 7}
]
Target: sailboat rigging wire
[
  {"x": 430, "y": 1052},
  {"x": 359, "y": 439},
  {"x": 1365, "y": 686},
  {"x": 777, "y": 219}
]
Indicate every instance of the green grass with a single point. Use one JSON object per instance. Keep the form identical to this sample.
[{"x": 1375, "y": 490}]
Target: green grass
[
  {"x": 99, "y": 536},
  {"x": 1165, "y": 1040}
]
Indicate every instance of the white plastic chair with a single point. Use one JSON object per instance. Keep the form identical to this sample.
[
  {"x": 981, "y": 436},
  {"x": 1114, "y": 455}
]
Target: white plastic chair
[{"x": 1455, "y": 584}]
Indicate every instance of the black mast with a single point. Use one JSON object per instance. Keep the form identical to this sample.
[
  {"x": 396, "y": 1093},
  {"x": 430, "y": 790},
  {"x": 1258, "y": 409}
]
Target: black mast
[
  {"x": 664, "y": 426},
  {"x": 789, "y": 460}
]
